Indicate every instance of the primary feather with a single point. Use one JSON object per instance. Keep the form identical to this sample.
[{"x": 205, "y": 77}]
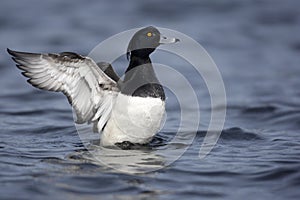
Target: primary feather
[{"x": 89, "y": 90}]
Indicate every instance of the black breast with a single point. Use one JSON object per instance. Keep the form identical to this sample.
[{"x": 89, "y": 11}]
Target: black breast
[
  {"x": 140, "y": 80},
  {"x": 148, "y": 90}
]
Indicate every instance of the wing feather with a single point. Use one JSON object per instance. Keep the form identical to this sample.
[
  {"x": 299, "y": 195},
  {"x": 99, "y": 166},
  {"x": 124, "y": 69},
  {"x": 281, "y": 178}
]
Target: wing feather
[{"x": 89, "y": 90}]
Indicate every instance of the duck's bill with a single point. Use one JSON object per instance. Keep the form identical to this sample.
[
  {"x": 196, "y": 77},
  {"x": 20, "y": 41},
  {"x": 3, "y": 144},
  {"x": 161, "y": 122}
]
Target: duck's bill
[{"x": 168, "y": 40}]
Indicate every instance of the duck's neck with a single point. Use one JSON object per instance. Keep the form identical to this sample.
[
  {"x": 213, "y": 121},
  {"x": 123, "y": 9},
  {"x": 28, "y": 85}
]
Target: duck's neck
[
  {"x": 140, "y": 79},
  {"x": 137, "y": 61},
  {"x": 139, "y": 66}
]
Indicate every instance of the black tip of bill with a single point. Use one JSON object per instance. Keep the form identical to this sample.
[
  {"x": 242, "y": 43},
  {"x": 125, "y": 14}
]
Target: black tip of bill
[{"x": 168, "y": 40}]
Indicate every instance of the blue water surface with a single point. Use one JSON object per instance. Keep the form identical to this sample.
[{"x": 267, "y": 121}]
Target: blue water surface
[{"x": 256, "y": 46}]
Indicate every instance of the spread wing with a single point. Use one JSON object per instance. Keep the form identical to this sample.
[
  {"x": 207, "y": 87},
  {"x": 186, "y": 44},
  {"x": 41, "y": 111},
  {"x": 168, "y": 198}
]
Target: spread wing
[{"x": 89, "y": 90}]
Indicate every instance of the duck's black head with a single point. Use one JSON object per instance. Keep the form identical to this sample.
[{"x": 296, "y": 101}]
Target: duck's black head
[
  {"x": 140, "y": 79},
  {"x": 145, "y": 41}
]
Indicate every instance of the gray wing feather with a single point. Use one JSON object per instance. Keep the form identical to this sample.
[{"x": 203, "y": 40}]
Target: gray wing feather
[{"x": 88, "y": 89}]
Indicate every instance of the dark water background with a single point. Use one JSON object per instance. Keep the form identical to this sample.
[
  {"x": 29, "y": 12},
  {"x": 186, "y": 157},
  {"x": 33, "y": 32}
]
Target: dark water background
[{"x": 256, "y": 45}]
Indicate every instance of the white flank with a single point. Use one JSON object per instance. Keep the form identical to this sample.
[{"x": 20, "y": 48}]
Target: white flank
[{"x": 133, "y": 119}]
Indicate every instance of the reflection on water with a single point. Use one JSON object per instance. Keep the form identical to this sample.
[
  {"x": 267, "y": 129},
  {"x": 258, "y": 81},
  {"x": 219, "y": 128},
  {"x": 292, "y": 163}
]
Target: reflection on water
[
  {"x": 139, "y": 159},
  {"x": 128, "y": 161},
  {"x": 132, "y": 161}
]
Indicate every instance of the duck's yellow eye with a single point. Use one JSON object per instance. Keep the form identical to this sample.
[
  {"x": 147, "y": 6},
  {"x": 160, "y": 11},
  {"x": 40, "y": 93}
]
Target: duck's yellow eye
[{"x": 149, "y": 34}]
